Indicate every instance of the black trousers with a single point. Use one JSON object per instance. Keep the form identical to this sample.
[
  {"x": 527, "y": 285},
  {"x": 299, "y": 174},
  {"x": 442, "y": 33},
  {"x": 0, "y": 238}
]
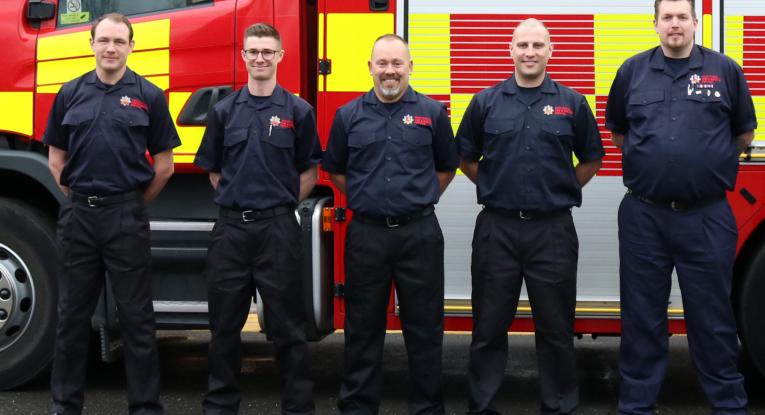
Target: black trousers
[
  {"x": 543, "y": 252},
  {"x": 264, "y": 254},
  {"x": 92, "y": 241},
  {"x": 412, "y": 256}
]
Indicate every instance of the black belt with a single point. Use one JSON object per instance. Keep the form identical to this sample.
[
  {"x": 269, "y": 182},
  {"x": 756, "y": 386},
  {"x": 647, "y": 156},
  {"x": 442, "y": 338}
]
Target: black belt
[
  {"x": 677, "y": 206},
  {"x": 528, "y": 214},
  {"x": 253, "y": 215},
  {"x": 393, "y": 221},
  {"x": 96, "y": 201}
]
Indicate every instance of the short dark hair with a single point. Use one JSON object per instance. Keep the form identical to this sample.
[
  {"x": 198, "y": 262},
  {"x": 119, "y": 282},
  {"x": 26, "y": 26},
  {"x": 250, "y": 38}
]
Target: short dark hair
[
  {"x": 116, "y": 18},
  {"x": 657, "y": 2},
  {"x": 262, "y": 30}
]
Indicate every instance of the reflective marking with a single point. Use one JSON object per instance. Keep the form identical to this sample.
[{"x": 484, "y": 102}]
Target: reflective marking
[
  {"x": 176, "y": 226},
  {"x": 349, "y": 44},
  {"x": 191, "y": 136},
  {"x": 16, "y": 109}
]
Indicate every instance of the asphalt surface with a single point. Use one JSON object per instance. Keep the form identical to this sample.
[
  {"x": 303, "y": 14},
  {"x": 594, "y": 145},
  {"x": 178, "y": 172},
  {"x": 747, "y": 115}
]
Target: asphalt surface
[{"x": 184, "y": 369}]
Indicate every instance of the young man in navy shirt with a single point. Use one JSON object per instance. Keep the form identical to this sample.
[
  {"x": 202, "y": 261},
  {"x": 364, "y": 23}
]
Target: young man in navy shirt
[{"x": 261, "y": 150}]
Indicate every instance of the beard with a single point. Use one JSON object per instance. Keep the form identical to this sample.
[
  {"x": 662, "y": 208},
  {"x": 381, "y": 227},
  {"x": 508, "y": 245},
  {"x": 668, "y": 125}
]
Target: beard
[{"x": 390, "y": 92}]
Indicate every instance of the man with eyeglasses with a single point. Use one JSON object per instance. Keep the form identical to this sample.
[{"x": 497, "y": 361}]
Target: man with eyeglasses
[
  {"x": 260, "y": 149},
  {"x": 99, "y": 130},
  {"x": 392, "y": 152}
]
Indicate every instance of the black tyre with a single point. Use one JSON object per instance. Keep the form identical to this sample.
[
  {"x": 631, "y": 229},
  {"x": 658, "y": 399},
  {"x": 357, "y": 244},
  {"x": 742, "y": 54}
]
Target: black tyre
[
  {"x": 751, "y": 312},
  {"x": 28, "y": 293}
]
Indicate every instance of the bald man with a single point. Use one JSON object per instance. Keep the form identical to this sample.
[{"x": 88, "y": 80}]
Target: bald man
[{"x": 516, "y": 144}]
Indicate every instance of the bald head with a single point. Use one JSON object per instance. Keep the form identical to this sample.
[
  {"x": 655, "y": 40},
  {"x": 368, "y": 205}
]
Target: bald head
[
  {"x": 392, "y": 38},
  {"x": 532, "y": 24},
  {"x": 531, "y": 49}
]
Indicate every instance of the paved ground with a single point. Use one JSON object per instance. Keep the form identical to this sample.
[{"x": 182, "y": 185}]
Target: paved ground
[{"x": 184, "y": 367}]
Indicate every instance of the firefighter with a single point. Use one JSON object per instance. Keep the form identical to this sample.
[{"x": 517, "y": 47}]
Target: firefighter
[
  {"x": 681, "y": 114},
  {"x": 261, "y": 150},
  {"x": 99, "y": 129},
  {"x": 392, "y": 152},
  {"x": 516, "y": 143}
]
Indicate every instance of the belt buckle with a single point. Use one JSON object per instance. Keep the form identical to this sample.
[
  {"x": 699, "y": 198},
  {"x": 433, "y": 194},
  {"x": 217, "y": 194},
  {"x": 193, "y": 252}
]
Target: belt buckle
[
  {"x": 244, "y": 216},
  {"x": 675, "y": 206},
  {"x": 92, "y": 201},
  {"x": 391, "y": 224},
  {"x": 523, "y": 216}
]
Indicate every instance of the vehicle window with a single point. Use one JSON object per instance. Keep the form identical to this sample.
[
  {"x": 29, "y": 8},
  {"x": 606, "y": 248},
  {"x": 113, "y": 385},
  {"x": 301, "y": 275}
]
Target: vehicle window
[{"x": 74, "y": 12}]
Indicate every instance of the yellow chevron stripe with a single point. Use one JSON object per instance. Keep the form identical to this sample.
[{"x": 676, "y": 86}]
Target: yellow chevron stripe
[
  {"x": 16, "y": 110},
  {"x": 147, "y": 35}
]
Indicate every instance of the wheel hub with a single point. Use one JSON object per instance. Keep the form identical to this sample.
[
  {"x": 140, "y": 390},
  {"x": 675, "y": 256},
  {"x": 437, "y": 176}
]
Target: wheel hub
[{"x": 16, "y": 297}]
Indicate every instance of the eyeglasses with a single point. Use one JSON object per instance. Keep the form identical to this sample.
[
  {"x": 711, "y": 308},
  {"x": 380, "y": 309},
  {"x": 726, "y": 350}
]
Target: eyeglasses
[{"x": 267, "y": 54}]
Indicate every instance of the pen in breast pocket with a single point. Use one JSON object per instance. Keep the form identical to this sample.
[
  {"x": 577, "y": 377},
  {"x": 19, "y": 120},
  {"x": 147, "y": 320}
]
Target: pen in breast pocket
[{"x": 269, "y": 130}]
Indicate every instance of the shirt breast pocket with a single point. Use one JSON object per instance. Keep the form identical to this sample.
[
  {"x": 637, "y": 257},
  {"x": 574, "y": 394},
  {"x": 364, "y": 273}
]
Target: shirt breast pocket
[
  {"x": 363, "y": 149},
  {"x": 643, "y": 108},
  {"x": 280, "y": 137},
  {"x": 496, "y": 133},
  {"x": 705, "y": 112},
  {"x": 420, "y": 147},
  {"x": 234, "y": 145},
  {"x": 78, "y": 120},
  {"x": 130, "y": 124},
  {"x": 560, "y": 134}
]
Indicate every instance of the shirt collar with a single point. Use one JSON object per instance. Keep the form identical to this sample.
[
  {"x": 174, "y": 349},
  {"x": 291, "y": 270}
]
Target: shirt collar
[
  {"x": 278, "y": 97},
  {"x": 696, "y": 58},
  {"x": 371, "y": 98},
  {"x": 128, "y": 78},
  {"x": 510, "y": 86}
]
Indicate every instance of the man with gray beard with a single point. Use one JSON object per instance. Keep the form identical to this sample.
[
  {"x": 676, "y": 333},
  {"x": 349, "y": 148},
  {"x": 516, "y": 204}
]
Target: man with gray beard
[{"x": 392, "y": 152}]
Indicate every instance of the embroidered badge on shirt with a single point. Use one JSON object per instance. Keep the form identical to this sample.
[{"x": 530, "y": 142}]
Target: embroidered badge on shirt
[
  {"x": 548, "y": 110},
  {"x": 275, "y": 121},
  {"x": 423, "y": 120},
  {"x": 408, "y": 119},
  {"x": 704, "y": 84},
  {"x": 563, "y": 110},
  {"x": 126, "y": 101}
]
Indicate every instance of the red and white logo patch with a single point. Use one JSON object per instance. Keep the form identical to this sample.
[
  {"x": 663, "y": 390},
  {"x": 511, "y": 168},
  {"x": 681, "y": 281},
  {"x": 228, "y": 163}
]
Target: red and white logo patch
[
  {"x": 426, "y": 121},
  {"x": 557, "y": 110},
  {"x": 126, "y": 101}
]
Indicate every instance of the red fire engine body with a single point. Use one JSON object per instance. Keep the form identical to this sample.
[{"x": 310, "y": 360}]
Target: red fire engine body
[{"x": 190, "y": 49}]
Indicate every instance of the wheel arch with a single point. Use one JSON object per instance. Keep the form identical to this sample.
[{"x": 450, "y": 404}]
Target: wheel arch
[{"x": 25, "y": 176}]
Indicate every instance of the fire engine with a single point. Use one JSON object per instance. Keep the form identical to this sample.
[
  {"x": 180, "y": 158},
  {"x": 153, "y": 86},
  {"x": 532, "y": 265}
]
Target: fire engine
[{"x": 190, "y": 49}]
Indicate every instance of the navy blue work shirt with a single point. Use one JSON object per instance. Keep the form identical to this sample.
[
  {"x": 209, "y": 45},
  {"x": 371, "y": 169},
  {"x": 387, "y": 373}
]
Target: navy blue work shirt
[
  {"x": 106, "y": 130},
  {"x": 390, "y": 156},
  {"x": 259, "y": 149},
  {"x": 524, "y": 149},
  {"x": 680, "y": 129}
]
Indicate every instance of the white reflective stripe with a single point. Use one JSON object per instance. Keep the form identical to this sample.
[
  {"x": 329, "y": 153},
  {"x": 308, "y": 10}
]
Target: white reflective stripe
[
  {"x": 186, "y": 307},
  {"x": 177, "y": 226}
]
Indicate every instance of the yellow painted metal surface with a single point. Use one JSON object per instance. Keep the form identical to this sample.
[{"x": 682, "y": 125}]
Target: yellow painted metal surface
[
  {"x": 617, "y": 37},
  {"x": 17, "y": 109},
  {"x": 429, "y": 37},
  {"x": 349, "y": 45},
  {"x": 191, "y": 137},
  {"x": 706, "y": 34}
]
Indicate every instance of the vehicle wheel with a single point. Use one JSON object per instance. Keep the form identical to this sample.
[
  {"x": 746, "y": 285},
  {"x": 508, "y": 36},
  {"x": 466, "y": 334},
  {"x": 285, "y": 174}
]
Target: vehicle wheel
[
  {"x": 751, "y": 312},
  {"x": 28, "y": 293}
]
